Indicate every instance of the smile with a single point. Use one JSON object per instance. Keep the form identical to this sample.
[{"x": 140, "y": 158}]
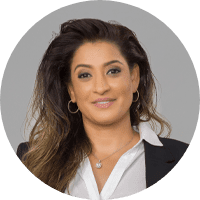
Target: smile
[{"x": 104, "y": 104}]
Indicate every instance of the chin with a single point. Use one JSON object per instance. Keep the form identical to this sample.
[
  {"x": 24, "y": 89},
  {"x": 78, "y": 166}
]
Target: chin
[
  {"x": 107, "y": 119},
  {"x": 104, "y": 122}
]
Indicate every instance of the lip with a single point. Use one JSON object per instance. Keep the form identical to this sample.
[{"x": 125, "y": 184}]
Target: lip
[
  {"x": 103, "y": 99},
  {"x": 104, "y": 105}
]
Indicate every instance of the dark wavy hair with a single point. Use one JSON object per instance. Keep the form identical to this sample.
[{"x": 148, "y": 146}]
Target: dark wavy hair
[{"x": 58, "y": 142}]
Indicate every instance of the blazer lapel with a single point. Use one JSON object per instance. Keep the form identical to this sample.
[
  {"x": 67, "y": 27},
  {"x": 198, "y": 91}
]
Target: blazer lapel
[{"x": 159, "y": 161}]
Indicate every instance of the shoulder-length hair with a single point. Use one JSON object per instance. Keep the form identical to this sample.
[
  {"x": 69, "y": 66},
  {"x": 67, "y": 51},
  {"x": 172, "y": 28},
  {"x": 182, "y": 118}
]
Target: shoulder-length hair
[{"x": 58, "y": 142}]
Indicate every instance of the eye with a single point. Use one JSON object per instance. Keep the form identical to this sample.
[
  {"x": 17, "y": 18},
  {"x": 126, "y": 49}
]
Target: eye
[
  {"x": 114, "y": 71},
  {"x": 84, "y": 75}
]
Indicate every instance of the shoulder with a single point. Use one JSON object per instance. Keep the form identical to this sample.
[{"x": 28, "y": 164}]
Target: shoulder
[
  {"x": 177, "y": 148},
  {"x": 22, "y": 149}
]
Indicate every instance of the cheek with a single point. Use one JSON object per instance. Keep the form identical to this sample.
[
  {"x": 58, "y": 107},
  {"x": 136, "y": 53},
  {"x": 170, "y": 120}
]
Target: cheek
[
  {"x": 82, "y": 92},
  {"x": 123, "y": 85}
]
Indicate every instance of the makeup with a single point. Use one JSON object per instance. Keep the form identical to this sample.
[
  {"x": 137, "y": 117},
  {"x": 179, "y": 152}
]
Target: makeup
[{"x": 104, "y": 104}]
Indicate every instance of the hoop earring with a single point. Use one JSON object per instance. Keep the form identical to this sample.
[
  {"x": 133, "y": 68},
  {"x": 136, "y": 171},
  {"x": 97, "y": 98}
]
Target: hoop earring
[
  {"x": 137, "y": 97},
  {"x": 69, "y": 108}
]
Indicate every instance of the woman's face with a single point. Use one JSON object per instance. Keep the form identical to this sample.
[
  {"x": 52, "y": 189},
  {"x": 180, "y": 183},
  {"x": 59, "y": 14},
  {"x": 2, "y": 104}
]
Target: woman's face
[{"x": 101, "y": 83}]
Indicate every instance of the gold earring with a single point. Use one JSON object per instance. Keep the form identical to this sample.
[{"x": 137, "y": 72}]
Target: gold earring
[
  {"x": 69, "y": 108},
  {"x": 137, "y": 97}
]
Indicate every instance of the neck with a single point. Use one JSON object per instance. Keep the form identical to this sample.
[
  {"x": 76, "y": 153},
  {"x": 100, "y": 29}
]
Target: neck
[{"x": 107, "y": 138}]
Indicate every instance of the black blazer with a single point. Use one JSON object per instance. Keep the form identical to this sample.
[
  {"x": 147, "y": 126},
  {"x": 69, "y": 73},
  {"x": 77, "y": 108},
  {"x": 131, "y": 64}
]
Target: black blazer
[{"x": 159, "y": 159}]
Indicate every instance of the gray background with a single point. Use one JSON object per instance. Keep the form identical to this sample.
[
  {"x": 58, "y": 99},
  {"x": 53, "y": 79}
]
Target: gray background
[{"x": 170, "y": 62}]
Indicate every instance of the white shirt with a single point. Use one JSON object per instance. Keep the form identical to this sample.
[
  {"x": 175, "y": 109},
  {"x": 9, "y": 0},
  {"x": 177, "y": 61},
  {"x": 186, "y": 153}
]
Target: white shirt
[{"x": 127, "y": 177}]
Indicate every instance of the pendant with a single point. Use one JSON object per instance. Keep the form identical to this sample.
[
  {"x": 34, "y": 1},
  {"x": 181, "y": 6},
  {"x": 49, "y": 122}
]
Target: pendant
[{"x": 98, "y": 165}]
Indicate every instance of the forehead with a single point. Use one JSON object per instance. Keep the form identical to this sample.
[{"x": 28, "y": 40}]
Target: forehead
[{"x": 97, "y": 52}]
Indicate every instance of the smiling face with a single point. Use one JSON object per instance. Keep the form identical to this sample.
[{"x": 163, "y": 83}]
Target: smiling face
[{"x": 101, "y": 83}]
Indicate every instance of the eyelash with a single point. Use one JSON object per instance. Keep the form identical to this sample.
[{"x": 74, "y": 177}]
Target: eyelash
[{"x": 83, "y": 74}]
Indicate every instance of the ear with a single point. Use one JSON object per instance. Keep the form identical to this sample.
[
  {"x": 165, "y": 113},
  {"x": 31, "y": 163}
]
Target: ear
[
  {"x": 135, "y": 77},
  {"x": 71, "y": 92}
]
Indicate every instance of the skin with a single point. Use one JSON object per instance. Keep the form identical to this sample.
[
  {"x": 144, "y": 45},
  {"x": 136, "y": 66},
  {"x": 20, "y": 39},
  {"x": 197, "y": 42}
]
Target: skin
[{"x": 108, "y": 128}]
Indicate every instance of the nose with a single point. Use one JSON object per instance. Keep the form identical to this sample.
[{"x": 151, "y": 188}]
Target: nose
[{"x": 101, "y": 84}]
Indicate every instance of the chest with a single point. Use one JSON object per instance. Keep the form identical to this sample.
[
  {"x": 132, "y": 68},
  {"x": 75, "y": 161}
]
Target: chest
[{"x": 102, "y": 174}]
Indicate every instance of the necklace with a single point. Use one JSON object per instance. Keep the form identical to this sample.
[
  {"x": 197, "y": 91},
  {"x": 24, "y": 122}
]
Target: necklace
[{"x": 99, "y": 164}]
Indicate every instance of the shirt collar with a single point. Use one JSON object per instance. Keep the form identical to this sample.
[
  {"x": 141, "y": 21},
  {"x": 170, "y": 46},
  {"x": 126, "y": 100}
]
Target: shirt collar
[{"x": 147, "y": 134}]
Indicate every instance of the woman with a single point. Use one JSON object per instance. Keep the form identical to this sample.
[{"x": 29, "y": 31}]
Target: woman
[{"x": 94, "y": 96}]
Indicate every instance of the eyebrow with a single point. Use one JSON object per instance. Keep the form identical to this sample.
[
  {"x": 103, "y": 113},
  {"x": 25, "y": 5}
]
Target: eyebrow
[{"x": 105, "y": 64}]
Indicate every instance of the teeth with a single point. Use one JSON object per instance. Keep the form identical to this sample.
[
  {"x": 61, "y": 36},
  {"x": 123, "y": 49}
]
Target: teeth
[{"x": 103, "y": 102}]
